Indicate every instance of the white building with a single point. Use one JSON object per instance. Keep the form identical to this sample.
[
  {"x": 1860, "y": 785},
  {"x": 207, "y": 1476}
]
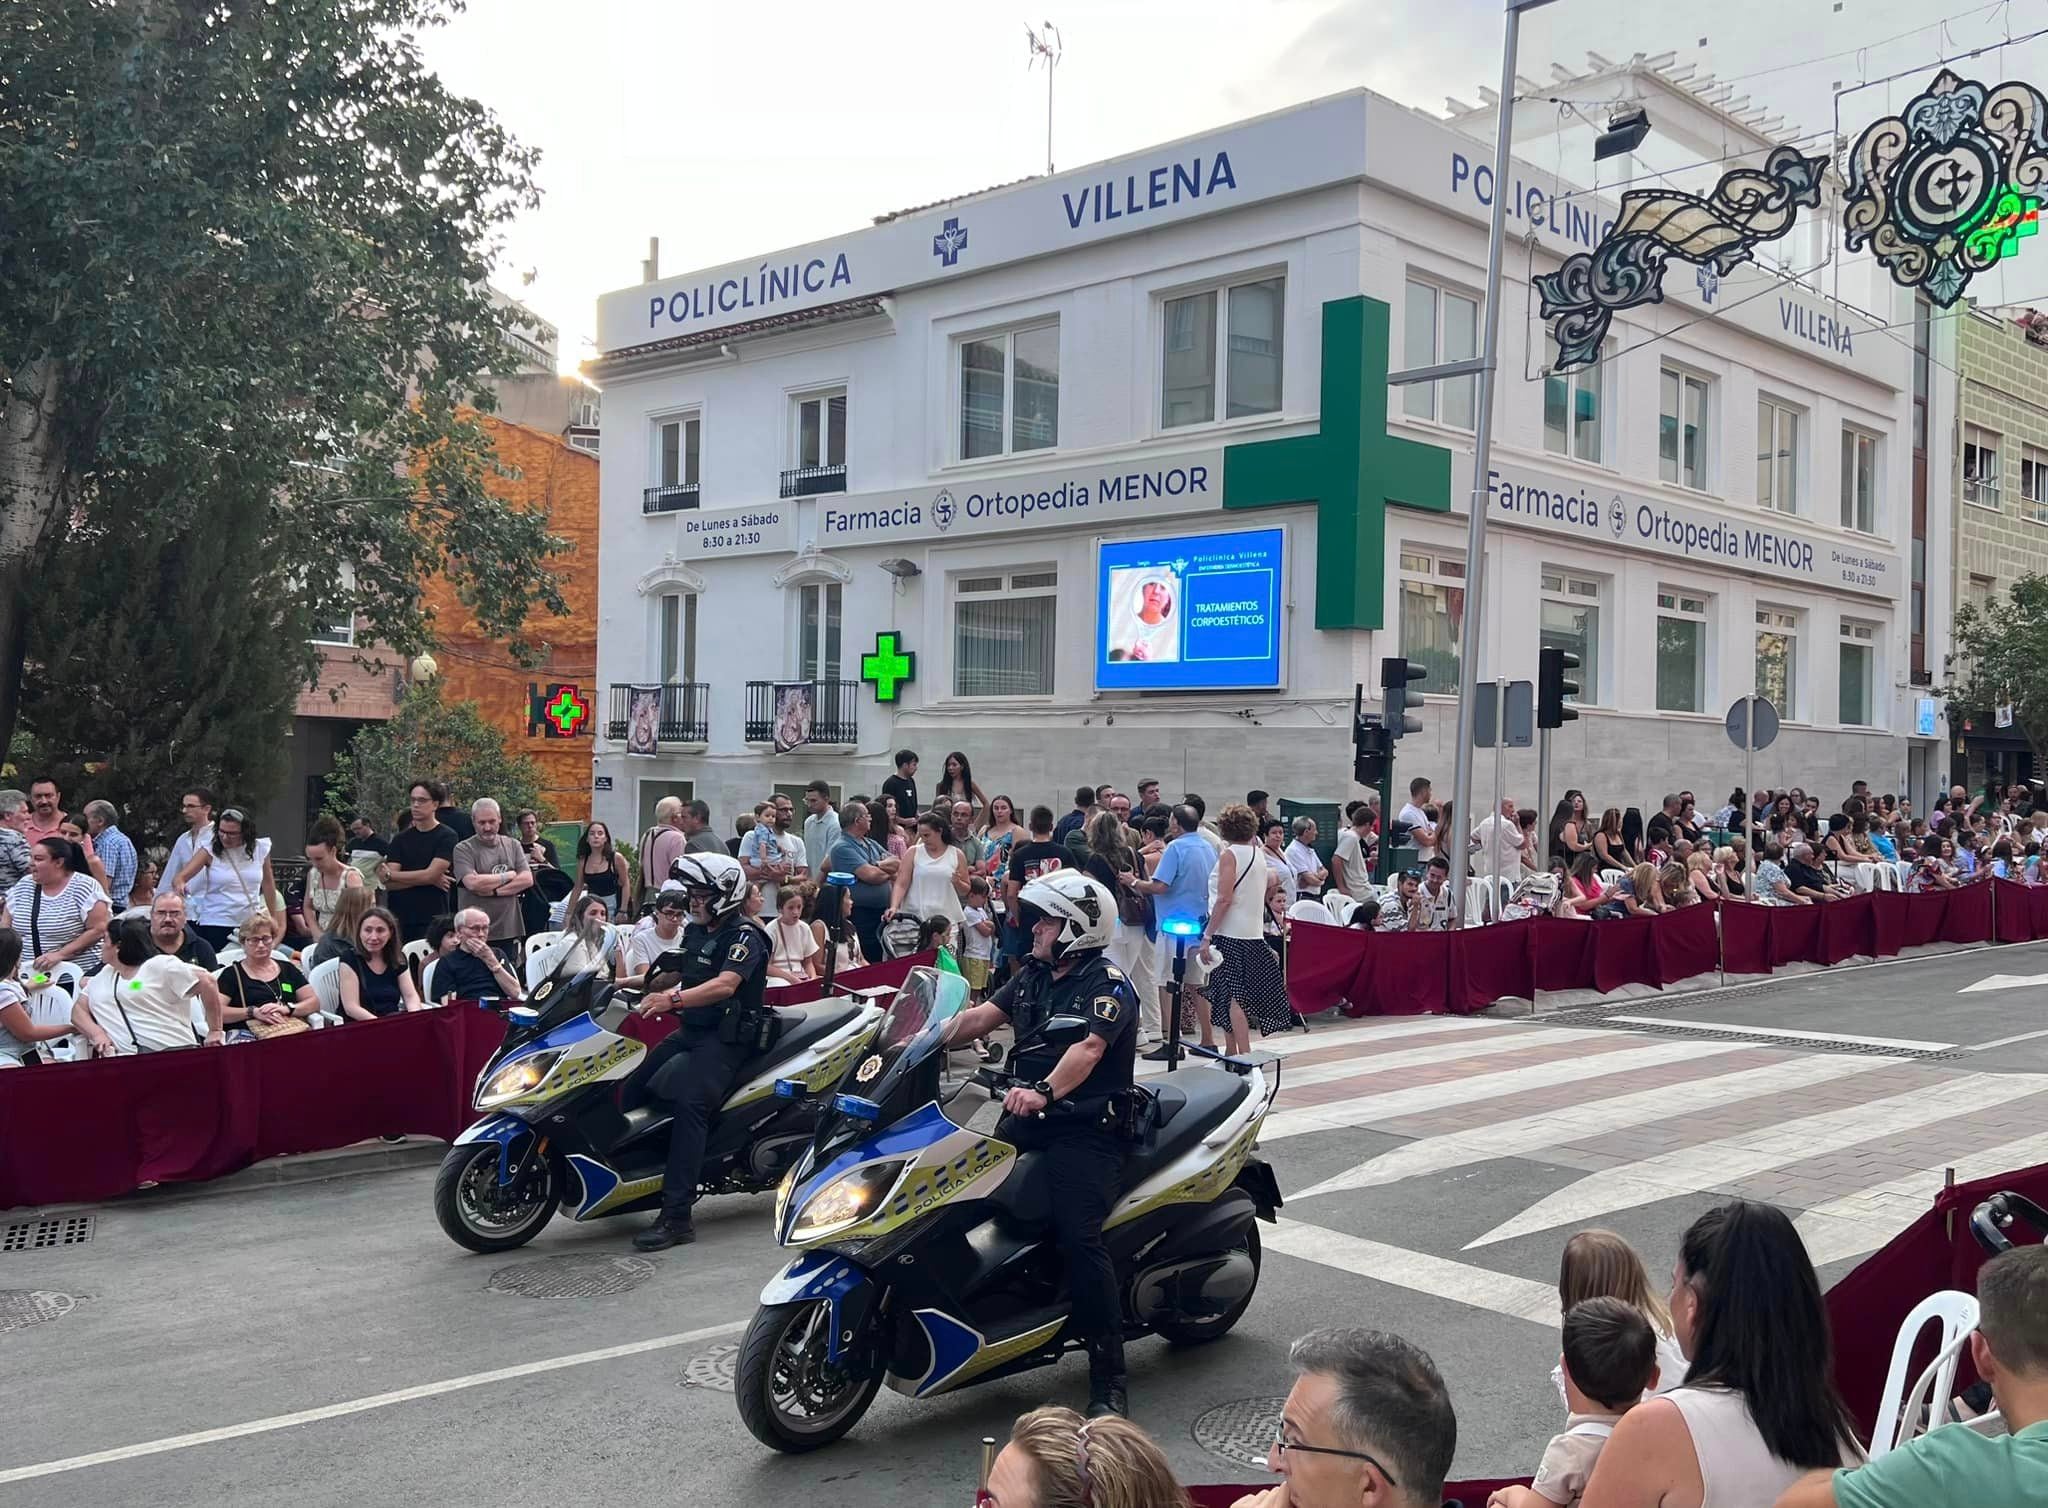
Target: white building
[{"x": 968, "y": 425}]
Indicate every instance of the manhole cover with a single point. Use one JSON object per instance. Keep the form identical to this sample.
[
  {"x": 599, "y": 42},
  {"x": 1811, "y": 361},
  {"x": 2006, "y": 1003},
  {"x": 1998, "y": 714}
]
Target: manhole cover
[
  {"x": 34, "y": 1235},
  {"x": 21, "y": 1307},
  {"x": 713, "y": 1370},
  {"x": 572, "y": 1277},
  {"x": 1243, "y": 1431}
]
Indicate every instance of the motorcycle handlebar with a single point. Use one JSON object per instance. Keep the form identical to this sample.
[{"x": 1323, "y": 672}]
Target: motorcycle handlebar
[{"x": 998, "y": 1083}]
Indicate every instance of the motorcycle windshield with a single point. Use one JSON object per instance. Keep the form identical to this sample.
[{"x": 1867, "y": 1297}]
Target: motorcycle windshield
[{"x": 910, "y": 1032}]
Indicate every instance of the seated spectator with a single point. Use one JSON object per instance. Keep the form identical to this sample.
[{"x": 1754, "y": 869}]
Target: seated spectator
[
  {"x": 20, "y": 1031},
  {"x": 1610, "y": 1359},
  {"x": 586, "y": 941},
  {"x": 1807, "y": 878},
  {"x": 1402, "y": 911},
  {"x": 473, "y": 969},
  {"x": 339, "y": 938},
  {"x": 1673, "y": 886},
  {"x": 1727, "y": 873},
  {"x": 1927, "y": 873},
  {"x": 374, "y": 979},
  {"x": 1586, "y": 892},
  {"x": 170, "y": 933},
  {"x": 1759, "y": 1407},
  {"x": 2002, "y": 860},
  {"x": 263, "y": 995},
  {"x": 1637, "y": 894},
  {"x": 662, "y": 932},
  {"x": 1057, "y": 1459},
  {"x": 1368, "y": 1422},
  {"x": 1699, "y": 874},
  {"x": 1365, "y": 914},
  {"x": 61, "y": 914},
  {"x": 141, "y": 1001},
  {"x": 1951, "y": 1464},
  {"x": 1441, "y": 910},
  {"x": 1769, "y": 885},
  {"x": 1598, "y": 1264},
  {"x": 1885, "y": 841},
  {"x": 794, "y": 959}
]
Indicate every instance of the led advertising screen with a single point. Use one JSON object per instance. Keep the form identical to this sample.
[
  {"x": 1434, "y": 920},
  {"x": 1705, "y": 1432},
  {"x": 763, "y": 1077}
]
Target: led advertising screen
[{"x": 1195, "y": 612}]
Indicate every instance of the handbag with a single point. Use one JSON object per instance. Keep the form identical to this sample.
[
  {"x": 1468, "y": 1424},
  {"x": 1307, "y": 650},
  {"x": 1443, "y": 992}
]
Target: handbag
[
  {"x": 263, "y": 1031},
  {"x": 1134, "y": 907}
]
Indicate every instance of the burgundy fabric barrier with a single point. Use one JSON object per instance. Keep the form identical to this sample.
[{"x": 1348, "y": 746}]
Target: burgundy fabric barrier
[
  {"x": 1688, "y": 944},
  {"x": 1746, "y": 938},
  {"x": 1967, "y": 918},
  {"x": 2014, "y": 905},
  {"x": 1323, "y": 964},
  {"x": 84, "y": 1131},
  {"x": 1565, "y": 951},
  {"x": 651, "y": 1029},
  {"x": 2037, "y": 906},
  {"x": 1490, "y": 963},
  {"x": 1405, "y": 973}
]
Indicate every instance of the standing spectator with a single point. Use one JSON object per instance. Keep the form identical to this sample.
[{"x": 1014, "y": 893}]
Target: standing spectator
[
  {"x": 326, "y": 875},
  {"x": 260, "y": 992},
  {"x": 771, "y": 855},
  {"x": 1357, "y": 844},
  {"x": 453, "y": 818},
  {"x": 115, "y": 849},
  {"x": 977, "y": 937},
  {"x": 1245, "y": 987},
  {"x": 794, "y": 948},
  {"x": 1180, "y": 887},
  {"x": 1257, "y": 800},
  {"x": 1209, "y": 833},
  {"x": 1610, "y": 850},
  {"x": 1273, "y": 844},
  {"x": 229, "y": 880},
  {"x": 13, "y": 840},
  {"x": 887, "y": 830},
  {"x": 874, "y": 875},
  {"x": 957, "y": 784},
  {"x": 1422, "y": 832},
  {"x": 1309, "y": 874},
  {"x": 1028, "y": 861},
  {"x": 1077, "y": 819},
  {"x": 1496, "y": 844},
  {"x": 1002, "y": 834},
  {"x": 600, "y": 870},
  {"x": 903, "y": 786},
  {"x": 196, "y": 806},
  {"x": 1568, "y": 828},
  {"x": 72, "y": 831},
  {"x": 697, "y": 834},
  {"x": 46, "y": 811},
  {"x": 662, "y": 844},
  {"x": 170, "y": 933},
  {"x": 934, "y": 879},
  {"x": 821, "y": 826},
  {"x": 964, "y": 836},
  {"x": 362, "y": 836},
  {"x": 19, "y": 1029},
  {"x": 1114, "y": 863},
  {"x": 492, "y": 870},
  {"x": 141, "y": 1001},
  {"x": 540, "y": 851},
  {"x": 1149, "y": 804},
  {"x": 418, "y": 869},
  {"x": 374, "y": 979}
]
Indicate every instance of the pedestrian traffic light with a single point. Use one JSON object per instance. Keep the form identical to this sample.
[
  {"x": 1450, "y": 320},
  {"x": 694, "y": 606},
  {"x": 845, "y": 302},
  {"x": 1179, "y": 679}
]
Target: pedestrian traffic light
[
  {"x": 1552, "y": 688},
  {"x": 1395, "y": 674},
  {"x": 1372, "y": 750}
]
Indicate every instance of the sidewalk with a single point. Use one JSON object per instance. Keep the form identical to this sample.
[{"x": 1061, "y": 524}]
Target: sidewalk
[{"x": 308, "y": 1167}]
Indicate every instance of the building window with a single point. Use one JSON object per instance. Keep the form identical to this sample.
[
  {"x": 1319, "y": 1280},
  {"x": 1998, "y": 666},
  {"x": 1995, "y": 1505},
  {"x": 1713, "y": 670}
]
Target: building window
[
  {"x": 677, "y": 445},
  {"x": 1859, "y": 480},
  {"x": 1440, "y": 326},
  {"x": 820, "y": 430},
  {"x": 1432, "y": 616},
  {"x": 1777, "y": 456},
  {"x": 676, "y": 647},
  {"x": 1980, "y": 467},
  {"x": 343, "y": 630},
  {"x": 1010, "y": 391},
  {"x": 2034, "y": 484},
  {"x": 1244, "y": 345},
  {"x": 1777, "y": 659},
  {"x": 1571, "y": 622},
  {"x": 1859, "y": 671},
  {"x": 1682, "y": 429},
  {"x": 1571, "y": 413},
  {"x": 1005, "y": 629},
  {"x": 1681, "y": 651},
  {"x": 818, "y": 631}
]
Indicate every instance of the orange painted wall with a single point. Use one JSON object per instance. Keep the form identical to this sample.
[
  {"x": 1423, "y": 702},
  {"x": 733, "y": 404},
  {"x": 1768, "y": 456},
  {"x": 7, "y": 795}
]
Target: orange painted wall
[{"x": 563, "y": 481}]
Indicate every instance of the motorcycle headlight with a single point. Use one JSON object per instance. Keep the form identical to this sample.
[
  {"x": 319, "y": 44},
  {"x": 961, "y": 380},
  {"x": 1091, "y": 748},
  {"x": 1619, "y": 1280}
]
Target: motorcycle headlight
[
  {"x": 847, "y": 1200},
  {"x": 515, "y": 1079},
  {"x": 788, "y": 1187}
]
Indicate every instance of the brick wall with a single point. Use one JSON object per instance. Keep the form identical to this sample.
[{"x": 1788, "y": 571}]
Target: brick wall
[{"x": 2004, "y": 379}]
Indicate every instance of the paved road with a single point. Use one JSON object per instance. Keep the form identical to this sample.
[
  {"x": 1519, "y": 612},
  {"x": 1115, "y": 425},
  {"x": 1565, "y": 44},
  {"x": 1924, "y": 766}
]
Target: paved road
[{"x": 348, "y": 1354}]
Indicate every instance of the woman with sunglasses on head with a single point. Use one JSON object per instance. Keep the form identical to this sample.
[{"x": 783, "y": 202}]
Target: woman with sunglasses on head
[
  {"x": 1057, "y": 1459},
  {"x": 229, "y": 880}
]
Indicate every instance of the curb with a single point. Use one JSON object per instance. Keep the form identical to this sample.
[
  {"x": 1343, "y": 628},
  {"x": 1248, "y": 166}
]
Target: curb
[{"x": 306, "y": 1167}]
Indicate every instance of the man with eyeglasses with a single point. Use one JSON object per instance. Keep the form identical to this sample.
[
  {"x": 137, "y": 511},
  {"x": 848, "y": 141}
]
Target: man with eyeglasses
[{"x": 1368, "y": 1424}]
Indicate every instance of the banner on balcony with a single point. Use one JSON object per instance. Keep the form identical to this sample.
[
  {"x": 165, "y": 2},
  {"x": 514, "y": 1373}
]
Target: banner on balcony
[
  {"x": 643, "y": 720},
  {"x": 793, "y": 714}
]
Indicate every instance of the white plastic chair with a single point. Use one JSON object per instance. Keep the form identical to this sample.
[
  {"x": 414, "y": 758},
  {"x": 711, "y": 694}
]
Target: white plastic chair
[
  {"x": 229, "y": 955},
  {"x": 1904, "y": 871},
  {"x": 417, "y": 948},
  {"x": 1340, "y": 906},
  {"x": 536, "y": 947},
  {"x": 1482, "y": 900},
  {"x": 1899, "y": 1415},
  {"x": 1309, "y": 911},
  {"x": 1609, "y": 878},
  {"x": 51, "y": 1006},
  {"x": 1884, "y": 876},
  {"x": 427, "y": 996},
  {"x": 326, "y": 982}
]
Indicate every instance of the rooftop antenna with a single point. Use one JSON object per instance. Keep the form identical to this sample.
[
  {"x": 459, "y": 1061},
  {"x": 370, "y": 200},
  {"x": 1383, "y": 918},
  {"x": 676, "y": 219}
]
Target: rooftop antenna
[{"x": 1045, "y": 43}]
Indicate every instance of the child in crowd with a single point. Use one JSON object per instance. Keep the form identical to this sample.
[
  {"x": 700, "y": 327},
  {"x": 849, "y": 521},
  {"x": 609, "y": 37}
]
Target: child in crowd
[
  {"x": 1610, "y": 1359},
  {"x": 937, "y": 937},
  {"x": 1598, "y": 1264},
  {"x": 977, "y": 937}
]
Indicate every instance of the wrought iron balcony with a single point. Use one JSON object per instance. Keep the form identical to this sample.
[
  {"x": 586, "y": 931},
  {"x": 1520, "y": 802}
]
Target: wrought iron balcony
[
  {"x": 833, "y": 711},
  {"x": 683, "y": 714},
  {"x": 813, "y": 481},
  {"x": 674, "y": 499}
]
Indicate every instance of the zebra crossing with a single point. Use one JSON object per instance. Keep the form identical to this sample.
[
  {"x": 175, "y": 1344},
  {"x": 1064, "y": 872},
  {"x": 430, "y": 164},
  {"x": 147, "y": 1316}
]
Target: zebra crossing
[{"x": 1852, "y": 1142}]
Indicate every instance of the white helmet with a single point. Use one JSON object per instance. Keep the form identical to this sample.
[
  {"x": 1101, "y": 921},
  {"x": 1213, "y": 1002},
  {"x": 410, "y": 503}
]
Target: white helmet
[
  {"x": 1084, "y": 908},
  {"x": 717, "y": 875}
]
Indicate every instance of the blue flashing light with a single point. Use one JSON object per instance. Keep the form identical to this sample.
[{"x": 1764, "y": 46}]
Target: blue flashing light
[
  {"x": 856, "y": 1108},
  {"x": 791, "y": 1089},
  {"x": 839, "y": 878},
  {"x": 1181, "y": 926}
]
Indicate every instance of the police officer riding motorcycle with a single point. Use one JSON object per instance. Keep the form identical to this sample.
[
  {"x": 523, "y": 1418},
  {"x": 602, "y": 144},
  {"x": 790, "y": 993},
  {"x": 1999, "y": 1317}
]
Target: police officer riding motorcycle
[
  {"x": 714, "y": 980},
  {"x": 1077, "y": 1096}
]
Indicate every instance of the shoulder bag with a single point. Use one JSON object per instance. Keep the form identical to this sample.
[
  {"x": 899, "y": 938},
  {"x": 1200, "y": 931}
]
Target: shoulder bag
[{"x": 263, "y": 1031}]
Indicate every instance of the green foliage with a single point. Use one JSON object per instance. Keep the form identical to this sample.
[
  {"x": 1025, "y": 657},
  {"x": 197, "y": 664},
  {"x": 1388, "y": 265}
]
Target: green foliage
[
  {"x": 244, "y": 252},
  {"x": 433, "y": 740},
  {"x": 2001, "y": 656}
]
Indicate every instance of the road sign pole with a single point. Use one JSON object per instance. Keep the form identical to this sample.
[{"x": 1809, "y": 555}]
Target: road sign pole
[
  {"x": 1748, "y": 790},
  {"x": 1543, "y": 786},
  {"x": 1500, "y": 743}
]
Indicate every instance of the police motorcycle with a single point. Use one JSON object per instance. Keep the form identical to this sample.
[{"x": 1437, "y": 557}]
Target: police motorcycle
[
  {"x": 927, "y": 1257},
  {"x": 552, "y": 1135}
]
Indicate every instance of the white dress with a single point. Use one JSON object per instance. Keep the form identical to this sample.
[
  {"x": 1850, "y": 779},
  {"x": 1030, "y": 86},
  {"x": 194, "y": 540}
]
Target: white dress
[{"x": 931, "y": 890}]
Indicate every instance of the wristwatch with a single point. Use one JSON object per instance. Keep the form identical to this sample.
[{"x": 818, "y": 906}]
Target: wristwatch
[{"x": 1044, "y": 1087}]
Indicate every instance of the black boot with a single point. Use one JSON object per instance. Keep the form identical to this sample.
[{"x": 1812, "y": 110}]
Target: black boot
[
  {"x": 668, "y": 1230},
  {"x": 1106, "y": 1378}
]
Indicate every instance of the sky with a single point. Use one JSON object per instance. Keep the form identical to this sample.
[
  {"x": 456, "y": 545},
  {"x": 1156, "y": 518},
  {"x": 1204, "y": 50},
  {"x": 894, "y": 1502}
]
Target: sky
[{"x": 730, "y": 130}]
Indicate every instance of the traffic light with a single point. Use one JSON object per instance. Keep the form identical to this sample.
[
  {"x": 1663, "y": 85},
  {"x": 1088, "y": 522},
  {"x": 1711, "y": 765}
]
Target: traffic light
[
  {"x": 1372, "y": 750},
  {"x": 1395, "y": 675},
  {"x": 1552, "y": 688}
]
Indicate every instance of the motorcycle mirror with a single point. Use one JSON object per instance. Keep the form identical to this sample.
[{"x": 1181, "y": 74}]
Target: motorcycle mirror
[{"x": 995, "y": 1052}]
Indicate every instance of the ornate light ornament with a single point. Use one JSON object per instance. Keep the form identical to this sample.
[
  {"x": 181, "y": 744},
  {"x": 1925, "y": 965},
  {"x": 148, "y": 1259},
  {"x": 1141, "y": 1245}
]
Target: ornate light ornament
[
  {"x": 1747, "y": 207},
  {"x": 1945, "y": 189}
]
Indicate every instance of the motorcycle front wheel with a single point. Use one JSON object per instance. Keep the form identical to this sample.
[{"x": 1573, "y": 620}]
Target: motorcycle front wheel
[
  {"x": 790, "y": 1396},
  {"x": 479, "y": 1212},
  {"x": 1193, "y": 1332}
]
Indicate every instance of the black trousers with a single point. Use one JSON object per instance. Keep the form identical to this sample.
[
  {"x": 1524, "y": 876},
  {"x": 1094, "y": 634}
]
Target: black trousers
[
  {"x": 1084, "y": 1166},
  {"x": 867, "y": 926},
  {"x": 690, "y": 1072}
]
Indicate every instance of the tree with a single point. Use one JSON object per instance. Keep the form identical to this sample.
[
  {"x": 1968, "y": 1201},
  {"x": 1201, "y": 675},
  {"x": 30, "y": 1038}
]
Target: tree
[
  {"x": 436, "y": 740},
  {"x": 2001, "y": 657},
  {"x": 245, "y": 249}
]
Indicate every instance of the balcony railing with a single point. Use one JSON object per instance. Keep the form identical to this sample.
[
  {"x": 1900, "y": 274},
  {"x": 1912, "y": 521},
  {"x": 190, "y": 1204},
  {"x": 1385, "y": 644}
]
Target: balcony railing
[
  {"x": 674, "y": 499},
  {"x": 683, "y": 718},
  {"x": 813, "y": 481},
  {"x": 833, "y": 708}
]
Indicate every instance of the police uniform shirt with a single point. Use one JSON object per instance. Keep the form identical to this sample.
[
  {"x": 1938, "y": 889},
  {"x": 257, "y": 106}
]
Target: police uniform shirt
[
  {"x": 1098, "y": 990},
  {"x": 739, "y": 947}
]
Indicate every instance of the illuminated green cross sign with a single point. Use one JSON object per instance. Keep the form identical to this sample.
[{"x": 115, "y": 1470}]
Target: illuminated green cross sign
[
  {"x": 565, "y": 712},
  {"x": 1351, "y": 469},
  {"x": 889, "y": 669}
]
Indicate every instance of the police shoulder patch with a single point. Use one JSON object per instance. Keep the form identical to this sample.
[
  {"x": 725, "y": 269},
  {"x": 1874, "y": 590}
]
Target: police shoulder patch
[
  {"x": 739, "y": 952},
  {"x": 1107, "y": 1008}
]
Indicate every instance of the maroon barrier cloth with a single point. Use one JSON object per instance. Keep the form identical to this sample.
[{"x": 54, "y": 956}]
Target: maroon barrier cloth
[
  {"x": 1490, "y": 963},
  {"x": 1565, "y": 952},
  {"x": 1322, "y": 963},
  {"x": 651, "y": 1029},
  {"x": 1796, "y": 932},
  {"x": 1687, "y": 944},
  {"x": 1625, "y": 952},
  {"x": 1746, "y": 937},
  {"x": 1968, "y": 916},
  {"x": 75, "y": 1132},
  {"x": 2014, "y": 911},
  {"x": 2037, "y": 905},
  {"x": 1888, "y": 910},
  {"x": 1405, "y": 973}
]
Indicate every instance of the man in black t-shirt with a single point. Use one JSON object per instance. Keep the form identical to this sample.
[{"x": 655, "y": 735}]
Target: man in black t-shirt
[
  {"x": 418, "y": 864},
  {"x": 903, "y": 786},
  {"x": 1028, "y": 861}
]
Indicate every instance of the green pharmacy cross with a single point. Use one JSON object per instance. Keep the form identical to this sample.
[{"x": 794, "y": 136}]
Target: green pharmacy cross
[
  {"x": 889, "y": 669},
  {"x": 1352, "y": 469},
  {"x": 567, "y": 712},
  {"x": 2001, "y": 224}
]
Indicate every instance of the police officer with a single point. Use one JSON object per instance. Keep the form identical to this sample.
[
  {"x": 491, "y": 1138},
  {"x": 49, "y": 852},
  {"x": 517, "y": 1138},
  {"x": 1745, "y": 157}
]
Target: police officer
[
  {"x": 1071, "y": 1097},
  {"x": 722, "y": 964}
]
